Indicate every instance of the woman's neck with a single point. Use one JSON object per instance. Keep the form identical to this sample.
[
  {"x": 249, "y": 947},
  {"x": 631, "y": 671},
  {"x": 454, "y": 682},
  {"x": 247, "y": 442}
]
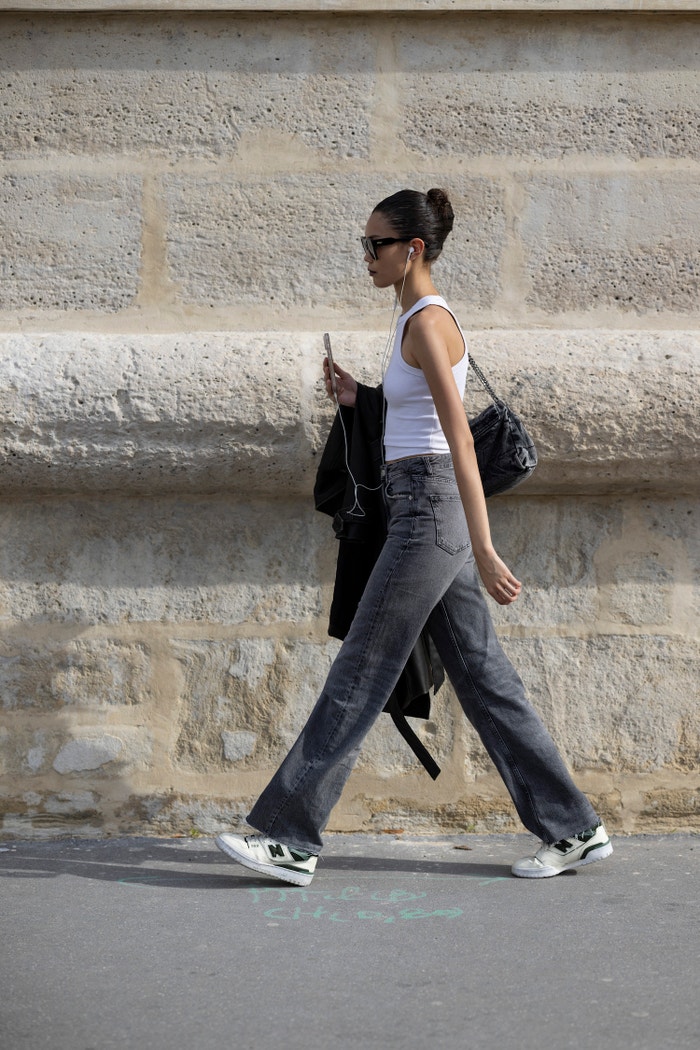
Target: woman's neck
[{"x": 414, "y": 288}]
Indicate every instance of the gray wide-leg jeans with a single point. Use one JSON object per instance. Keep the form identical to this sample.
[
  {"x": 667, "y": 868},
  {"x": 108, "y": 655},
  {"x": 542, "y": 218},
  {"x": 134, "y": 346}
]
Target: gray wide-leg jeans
[{"x": 425, "y": 574}]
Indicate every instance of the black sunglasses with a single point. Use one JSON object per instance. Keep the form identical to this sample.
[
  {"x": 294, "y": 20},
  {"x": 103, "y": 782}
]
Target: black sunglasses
[{"x": 371, "y": 244}]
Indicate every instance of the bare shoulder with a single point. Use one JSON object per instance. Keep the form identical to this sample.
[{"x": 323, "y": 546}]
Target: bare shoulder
[
  {"x": 433, "y": 328},
  {"x": 430, "y": 319}
]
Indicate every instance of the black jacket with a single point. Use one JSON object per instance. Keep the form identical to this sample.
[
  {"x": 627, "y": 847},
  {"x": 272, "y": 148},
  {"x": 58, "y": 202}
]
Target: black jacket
[{"x": 360, "y": 524}]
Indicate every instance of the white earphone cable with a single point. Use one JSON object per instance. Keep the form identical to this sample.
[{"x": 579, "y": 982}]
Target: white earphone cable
[{"x": 357, "y": 509}]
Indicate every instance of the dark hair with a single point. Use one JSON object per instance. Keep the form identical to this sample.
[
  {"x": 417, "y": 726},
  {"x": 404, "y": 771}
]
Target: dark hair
[{"x": 425, "y": 215}]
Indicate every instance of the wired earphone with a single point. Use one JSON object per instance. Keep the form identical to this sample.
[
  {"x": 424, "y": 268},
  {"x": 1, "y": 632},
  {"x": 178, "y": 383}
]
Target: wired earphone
[{"x": 357, "y": 509}]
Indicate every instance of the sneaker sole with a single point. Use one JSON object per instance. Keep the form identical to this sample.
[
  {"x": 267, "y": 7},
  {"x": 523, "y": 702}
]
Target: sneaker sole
[
  {"x": 297, "y": 878},
  {"x": 599, "y": 853}
]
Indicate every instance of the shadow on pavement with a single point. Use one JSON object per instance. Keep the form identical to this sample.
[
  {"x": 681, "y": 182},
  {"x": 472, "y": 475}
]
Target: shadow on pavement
[{"x": 166, "y": 863}]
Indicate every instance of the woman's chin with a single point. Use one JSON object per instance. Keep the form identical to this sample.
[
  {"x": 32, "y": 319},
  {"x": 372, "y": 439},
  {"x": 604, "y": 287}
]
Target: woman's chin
[{"x": 381, "y": 282}]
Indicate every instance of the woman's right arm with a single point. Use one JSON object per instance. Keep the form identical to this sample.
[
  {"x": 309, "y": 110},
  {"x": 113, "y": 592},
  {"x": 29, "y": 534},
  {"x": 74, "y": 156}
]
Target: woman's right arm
[{"x": 430, "y": 350}]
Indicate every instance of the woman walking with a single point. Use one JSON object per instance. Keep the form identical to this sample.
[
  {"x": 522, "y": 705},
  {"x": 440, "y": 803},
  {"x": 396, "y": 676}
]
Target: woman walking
[{"x": 438, "y": 544}]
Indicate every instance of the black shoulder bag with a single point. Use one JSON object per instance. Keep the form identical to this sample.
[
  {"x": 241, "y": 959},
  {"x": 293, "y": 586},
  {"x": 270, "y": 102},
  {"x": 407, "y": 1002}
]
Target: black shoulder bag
[{"x": 505, "y": 451}]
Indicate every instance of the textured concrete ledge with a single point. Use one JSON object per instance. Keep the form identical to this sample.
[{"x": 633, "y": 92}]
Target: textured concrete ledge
[{"x": 245, "y": 412}]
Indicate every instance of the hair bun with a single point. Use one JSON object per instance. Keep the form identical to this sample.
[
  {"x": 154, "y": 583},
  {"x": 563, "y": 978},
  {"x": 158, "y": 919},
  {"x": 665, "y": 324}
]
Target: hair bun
[
  {"x": 412, "y": 213},
  {"x": 441, "y": 204}
]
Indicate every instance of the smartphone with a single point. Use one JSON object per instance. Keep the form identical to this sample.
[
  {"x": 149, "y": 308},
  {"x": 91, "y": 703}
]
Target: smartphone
[{"x": 329, "y": 355}]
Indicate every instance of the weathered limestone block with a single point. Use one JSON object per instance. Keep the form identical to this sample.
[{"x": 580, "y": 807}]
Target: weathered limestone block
[
  {"x": 293, "y": 240},
  {"x": 627, "y": 241},
  {"x": 245, "y": 412},
  {"x": 7, "y": 744},
  {"x": 92, "y": 673},
  {"x": 76, "y": 750},
  {"x": 590, "y": 562},
  {"x": 26, "y": 751},
  {"x": 668, "y": 808},
  {"x": 625, "y": 703},
  {"x": 227, "y": 688},
  {"x": 176, "y": 85},
  {"x": 107, "y": 407},
  {"x": 551, "y": 547},
  {"x": 70, "y": 241},
  {"x": 171, "y": 812},
  {"x": 104, "y": 750},
  {"x": 88, "y": 753},
  {"x": 257, "y": 87},
  {"x": 114, "y": 562},
  {"x": 518, "y": 86},
  {"x": 483, "y": 812},
  {"x": 238, "y": 745},
  {"x": 43, "y": 815}
]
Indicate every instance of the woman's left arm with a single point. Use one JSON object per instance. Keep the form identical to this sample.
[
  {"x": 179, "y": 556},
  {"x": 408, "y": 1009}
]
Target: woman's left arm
[{"x": 429, "y": 349}]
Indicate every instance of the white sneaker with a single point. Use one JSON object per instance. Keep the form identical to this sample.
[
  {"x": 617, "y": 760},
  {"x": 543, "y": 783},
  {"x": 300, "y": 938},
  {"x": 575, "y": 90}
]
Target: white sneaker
[
  {"x": 270, "y": 857},
  {"x": 566, "y": 854}
]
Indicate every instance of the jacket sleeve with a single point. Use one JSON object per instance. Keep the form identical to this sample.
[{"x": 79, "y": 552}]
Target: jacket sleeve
[
  {"x": 332, "y": 474},
  {"x": 361, "y": 427}
]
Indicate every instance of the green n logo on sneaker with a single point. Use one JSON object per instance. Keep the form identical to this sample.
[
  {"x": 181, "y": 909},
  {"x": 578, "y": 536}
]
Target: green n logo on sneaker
[{"x": 275, "y": 849}]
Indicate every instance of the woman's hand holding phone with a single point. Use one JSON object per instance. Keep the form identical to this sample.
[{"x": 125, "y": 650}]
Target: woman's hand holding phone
[{"x": 340, "y": 385}]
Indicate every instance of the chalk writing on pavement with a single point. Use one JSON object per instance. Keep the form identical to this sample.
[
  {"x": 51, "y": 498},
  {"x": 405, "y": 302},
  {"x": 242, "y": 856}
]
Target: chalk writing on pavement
[{"x": 352, "y": 903}]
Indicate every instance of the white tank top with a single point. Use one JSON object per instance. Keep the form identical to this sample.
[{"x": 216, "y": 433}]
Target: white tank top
[{"x": 412, "y": 425}]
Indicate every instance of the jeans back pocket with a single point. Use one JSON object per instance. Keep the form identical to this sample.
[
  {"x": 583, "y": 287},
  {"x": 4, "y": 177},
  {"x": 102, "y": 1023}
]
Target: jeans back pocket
[{"x": 451, "y": 532}]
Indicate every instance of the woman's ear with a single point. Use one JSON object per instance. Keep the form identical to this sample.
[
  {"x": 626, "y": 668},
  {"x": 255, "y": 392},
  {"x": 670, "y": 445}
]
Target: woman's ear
[{"x": 416, "y": 249}]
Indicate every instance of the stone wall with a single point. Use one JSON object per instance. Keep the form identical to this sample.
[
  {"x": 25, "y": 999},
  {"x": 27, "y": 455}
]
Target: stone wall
[{"x": 181, "y": 199}]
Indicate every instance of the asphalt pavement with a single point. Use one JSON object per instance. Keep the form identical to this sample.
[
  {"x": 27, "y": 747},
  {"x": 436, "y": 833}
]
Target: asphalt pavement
[{"x": 399, "y": 942}]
